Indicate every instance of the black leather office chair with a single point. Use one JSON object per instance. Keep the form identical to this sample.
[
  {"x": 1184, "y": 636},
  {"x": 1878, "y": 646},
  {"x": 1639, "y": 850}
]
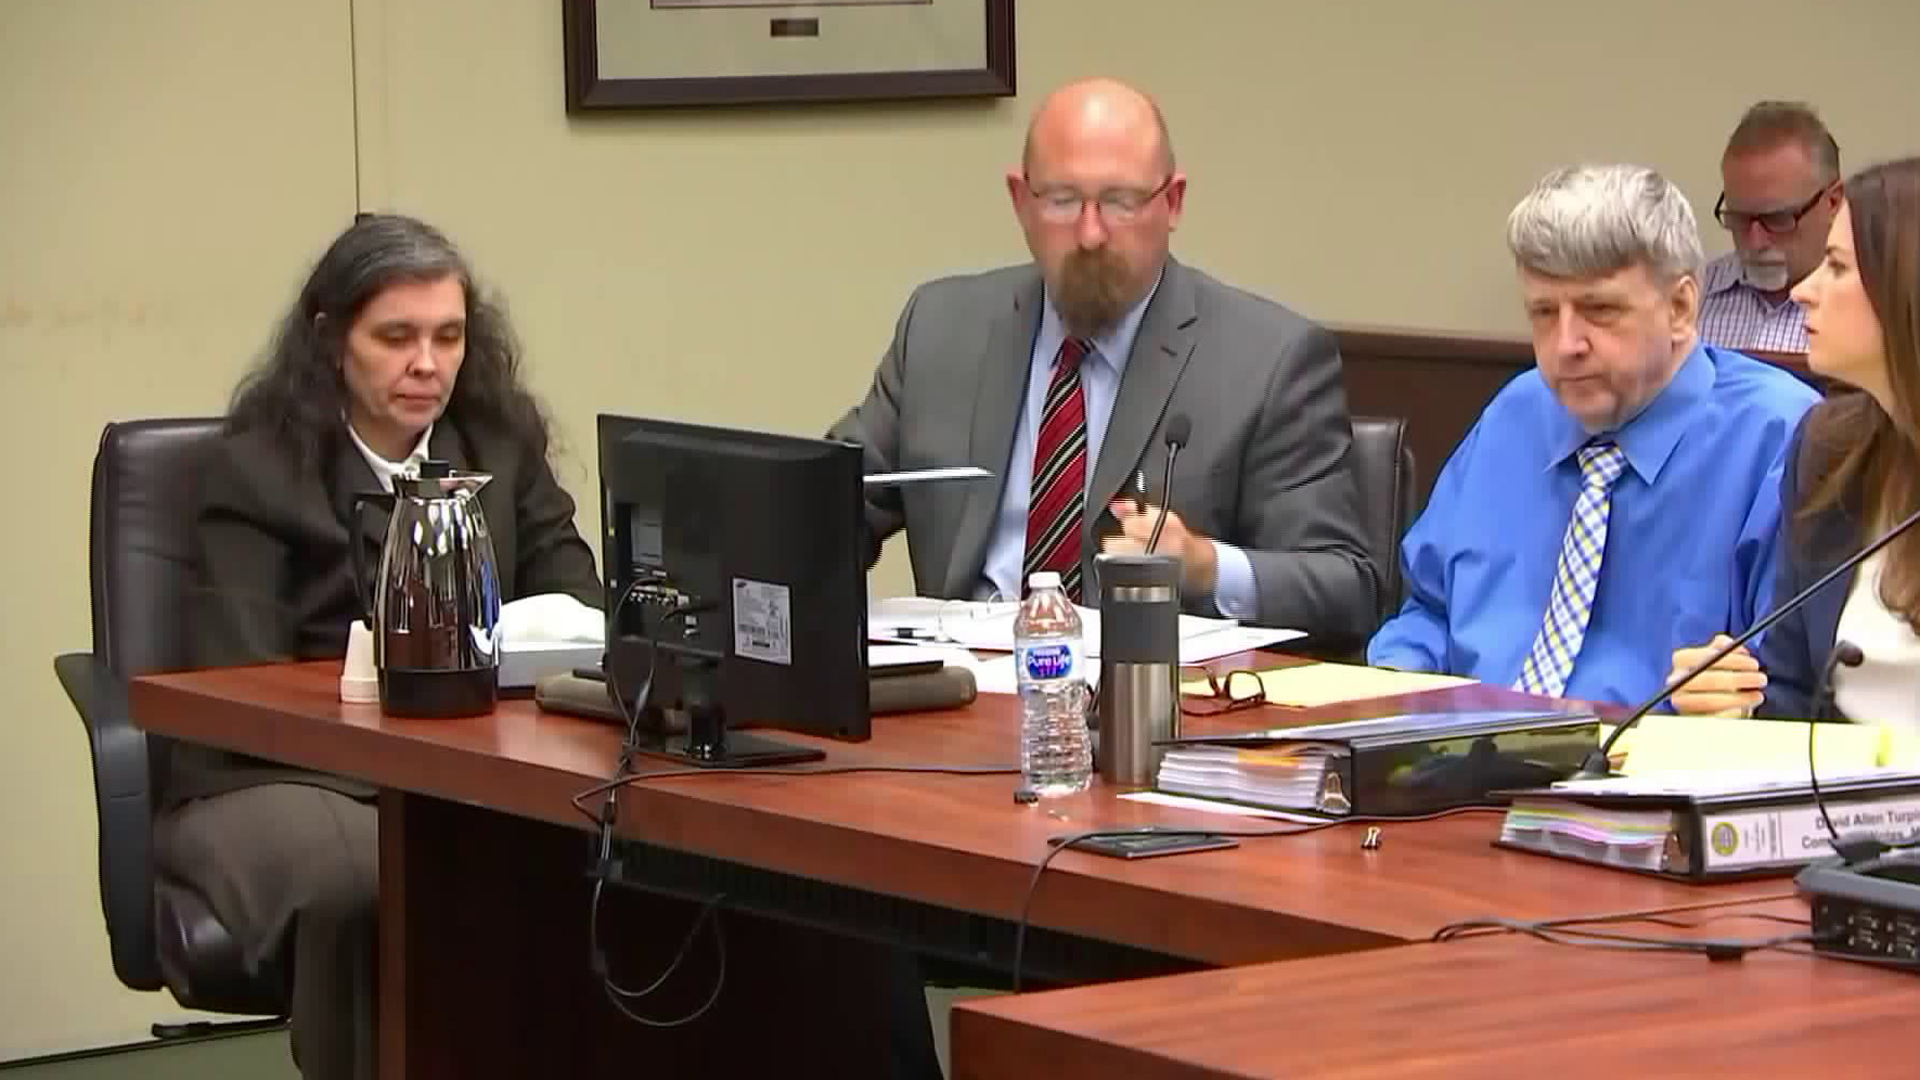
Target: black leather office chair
[
  {"x": 140, "y": 557},
  {"x": 1383, "y": 473}
]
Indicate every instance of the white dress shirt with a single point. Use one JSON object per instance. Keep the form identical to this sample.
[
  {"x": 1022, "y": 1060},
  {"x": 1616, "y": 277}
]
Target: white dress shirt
[
  {"x": 1885, "y": 688},
  {"x": 384, "y": 470}
]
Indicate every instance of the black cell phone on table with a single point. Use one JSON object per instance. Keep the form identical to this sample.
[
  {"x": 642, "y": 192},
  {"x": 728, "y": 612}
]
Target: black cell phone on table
[{"x": 1146, "y": 845}]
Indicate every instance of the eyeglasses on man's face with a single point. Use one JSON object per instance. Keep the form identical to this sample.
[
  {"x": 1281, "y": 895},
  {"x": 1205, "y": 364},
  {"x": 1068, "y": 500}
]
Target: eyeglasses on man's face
[
  {"x": 1117, "y": 206},
  {"x": 1777, "y": 222},
  {"x": 1231, "y": 692}
]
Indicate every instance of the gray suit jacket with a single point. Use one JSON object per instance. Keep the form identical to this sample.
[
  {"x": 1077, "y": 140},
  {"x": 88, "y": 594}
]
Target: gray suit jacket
[{"x": 1264, "y": 470}]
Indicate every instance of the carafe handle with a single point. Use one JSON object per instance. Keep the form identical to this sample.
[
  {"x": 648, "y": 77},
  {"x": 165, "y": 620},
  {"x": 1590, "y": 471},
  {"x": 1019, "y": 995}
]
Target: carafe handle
[{"x": 362, "y": 582}]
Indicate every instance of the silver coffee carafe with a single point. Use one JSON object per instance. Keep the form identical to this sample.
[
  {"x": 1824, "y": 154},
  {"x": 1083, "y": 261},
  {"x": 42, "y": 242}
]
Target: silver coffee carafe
[{"x": 436, "y": 600}]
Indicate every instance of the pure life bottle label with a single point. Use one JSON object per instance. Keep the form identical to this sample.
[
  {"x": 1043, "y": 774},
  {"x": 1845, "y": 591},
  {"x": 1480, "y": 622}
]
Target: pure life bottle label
[
  {"x": 1055, "y": 747},
  {"x": 1048, "y": 662}
]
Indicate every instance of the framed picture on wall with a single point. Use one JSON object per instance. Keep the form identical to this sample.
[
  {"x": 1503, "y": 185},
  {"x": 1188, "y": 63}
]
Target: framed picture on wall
[{"x": 637, "y": 54}]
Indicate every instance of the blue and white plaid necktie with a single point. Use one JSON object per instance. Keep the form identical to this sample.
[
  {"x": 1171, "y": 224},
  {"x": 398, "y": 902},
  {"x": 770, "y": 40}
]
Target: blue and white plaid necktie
[{"x": 1550, "y": 664}]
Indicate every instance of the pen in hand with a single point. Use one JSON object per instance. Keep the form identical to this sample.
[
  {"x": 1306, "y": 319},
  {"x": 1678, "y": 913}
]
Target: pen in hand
[{"x": 1140, "y": 491}]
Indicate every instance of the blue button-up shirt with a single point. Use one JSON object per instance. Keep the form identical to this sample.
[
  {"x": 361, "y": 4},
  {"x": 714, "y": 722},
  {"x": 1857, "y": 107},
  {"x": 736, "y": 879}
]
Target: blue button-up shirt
[
  {"x": 1100, "y": 374},
  {"x": 1690, "y": 536}
]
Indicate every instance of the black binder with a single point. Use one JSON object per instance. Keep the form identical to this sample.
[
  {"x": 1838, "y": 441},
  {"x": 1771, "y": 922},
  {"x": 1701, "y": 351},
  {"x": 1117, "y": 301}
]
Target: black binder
[
  {"x": 1770, "y": 830},
  {"x": 1419, "y": 763}
]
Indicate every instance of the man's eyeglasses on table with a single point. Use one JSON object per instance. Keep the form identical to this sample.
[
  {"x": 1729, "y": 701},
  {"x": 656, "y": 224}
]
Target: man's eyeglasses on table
[{"x": 1231, "y": 692}]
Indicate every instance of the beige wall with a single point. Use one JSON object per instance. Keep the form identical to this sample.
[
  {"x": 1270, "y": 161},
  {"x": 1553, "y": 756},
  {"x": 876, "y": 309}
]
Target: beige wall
[
  {"x": 160, "y": 191},
  {"x": 163, "y": 190}
]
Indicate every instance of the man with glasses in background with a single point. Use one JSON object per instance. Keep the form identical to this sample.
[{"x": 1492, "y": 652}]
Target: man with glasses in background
[
  {"x": 1061, "y": 377},
  {"x": 1781, "y": 187}
]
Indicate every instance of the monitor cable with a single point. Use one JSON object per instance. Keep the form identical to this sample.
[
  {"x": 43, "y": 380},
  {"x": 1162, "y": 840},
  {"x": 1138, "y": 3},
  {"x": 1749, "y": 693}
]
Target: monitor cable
[
  {"x": 1579, "y": 932},
  {"x": 1161, "y": 831},
  {"x": 607, "y": 867}
]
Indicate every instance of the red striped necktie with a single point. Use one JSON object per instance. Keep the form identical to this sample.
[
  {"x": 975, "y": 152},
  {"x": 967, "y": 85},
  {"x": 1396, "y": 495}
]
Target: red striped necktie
[{"x": 1059, "y": 495}]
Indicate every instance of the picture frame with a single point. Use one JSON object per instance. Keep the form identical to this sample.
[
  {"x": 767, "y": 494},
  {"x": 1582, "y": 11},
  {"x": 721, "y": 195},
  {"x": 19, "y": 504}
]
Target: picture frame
[{"x": 648, "y": 54}]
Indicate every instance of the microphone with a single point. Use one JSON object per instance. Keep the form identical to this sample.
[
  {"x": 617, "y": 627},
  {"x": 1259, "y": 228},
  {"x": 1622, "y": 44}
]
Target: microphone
[
  {"x": 1177, "y": 431},
  {"x": 1595, "y": 766},
  {"x": 1844, "y": 652}
]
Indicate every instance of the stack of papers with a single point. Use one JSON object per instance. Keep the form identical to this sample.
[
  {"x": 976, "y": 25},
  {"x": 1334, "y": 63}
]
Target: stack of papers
[
  {"x": 1710, "y": 782},
  {"x": 1634, "y": 839},
  {"x": 1662, "y": 743},
  {"x": 1308, "y": 685},
  {"x": 1290, "y": 777},
  {"x": 975, "y": 624}
]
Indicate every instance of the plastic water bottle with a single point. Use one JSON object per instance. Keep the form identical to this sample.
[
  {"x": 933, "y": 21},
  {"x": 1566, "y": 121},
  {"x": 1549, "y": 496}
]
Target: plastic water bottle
[{"x": 1056, "y": 749}]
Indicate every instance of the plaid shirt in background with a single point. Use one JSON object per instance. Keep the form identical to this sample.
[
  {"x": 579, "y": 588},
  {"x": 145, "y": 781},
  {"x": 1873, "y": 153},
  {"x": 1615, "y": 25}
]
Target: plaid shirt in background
[{"x": 1734, "y": 315}]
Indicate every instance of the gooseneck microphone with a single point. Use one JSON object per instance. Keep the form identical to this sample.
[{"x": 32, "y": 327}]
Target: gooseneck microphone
[
  {"x": 1595, "y": 766},
  {"x": 1176, "y": 434},
  {"x": 1844, "y": 653}
]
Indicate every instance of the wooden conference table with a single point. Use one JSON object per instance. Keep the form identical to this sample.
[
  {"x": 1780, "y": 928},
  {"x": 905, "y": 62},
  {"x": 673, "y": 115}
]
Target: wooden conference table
[
  {"x": 484, "y": 889},
  {"x": 1489, "y": 1007}
]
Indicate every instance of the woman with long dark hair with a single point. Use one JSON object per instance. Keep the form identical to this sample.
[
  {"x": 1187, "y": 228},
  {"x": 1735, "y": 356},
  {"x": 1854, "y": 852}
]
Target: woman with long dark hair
[
  {"x": 390, "y": 355},
  {"x": 1855, "y": 473}
]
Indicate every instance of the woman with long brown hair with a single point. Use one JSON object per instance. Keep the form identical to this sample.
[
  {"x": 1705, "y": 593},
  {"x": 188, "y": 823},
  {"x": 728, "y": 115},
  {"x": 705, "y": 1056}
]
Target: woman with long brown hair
[
  {"x": 1855, "y": 472},
  {"x": 390, "y": 354}
]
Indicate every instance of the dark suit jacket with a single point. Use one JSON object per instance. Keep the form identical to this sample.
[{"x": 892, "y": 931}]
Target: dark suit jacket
[
  {"x": 274, "y": 572},
  {"x": 1795, "y": 651},
  {"x": 1264, "y": 470}
]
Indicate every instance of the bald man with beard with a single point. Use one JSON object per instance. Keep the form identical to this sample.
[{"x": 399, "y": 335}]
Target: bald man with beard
[{"x": 1060, "y": 376}]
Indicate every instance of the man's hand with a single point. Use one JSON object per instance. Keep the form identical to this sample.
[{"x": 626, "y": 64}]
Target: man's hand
[
  {"x": 1199, "y": 562},
  {"x": 1732, "y": 687}
]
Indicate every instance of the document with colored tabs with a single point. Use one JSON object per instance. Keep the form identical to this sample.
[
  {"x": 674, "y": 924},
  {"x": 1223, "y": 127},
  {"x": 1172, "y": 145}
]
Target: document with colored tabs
[{"x": 1710, "y": 796}]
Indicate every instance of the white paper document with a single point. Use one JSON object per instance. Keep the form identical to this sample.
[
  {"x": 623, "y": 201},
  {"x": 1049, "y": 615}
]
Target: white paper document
[
  {"x": 1709, "y": 782},
  {"x": 1214, "y": 806},
  {"x": 988, "y": 627},
  {"x": 881, "y": 657}
]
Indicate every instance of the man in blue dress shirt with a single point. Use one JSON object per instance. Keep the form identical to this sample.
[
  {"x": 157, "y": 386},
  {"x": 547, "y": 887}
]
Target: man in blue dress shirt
[{"x": 1618, "y": 501}]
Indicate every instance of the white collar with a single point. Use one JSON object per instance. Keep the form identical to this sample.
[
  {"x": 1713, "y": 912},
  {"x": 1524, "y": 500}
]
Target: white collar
[{"x": 383, "y": 470}]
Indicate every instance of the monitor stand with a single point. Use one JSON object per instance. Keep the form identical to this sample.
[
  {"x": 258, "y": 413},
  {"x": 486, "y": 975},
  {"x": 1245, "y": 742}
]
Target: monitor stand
[{"x": 708, "y": 744}]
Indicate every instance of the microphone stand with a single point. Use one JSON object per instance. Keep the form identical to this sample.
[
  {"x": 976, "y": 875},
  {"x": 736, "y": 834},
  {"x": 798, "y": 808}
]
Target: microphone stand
[
  {"x": 1844, "y": 652},
  {"x": 1166, "y": 497}
]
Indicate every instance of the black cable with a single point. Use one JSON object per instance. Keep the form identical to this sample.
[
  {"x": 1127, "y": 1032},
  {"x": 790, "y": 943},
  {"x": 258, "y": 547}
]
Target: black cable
[
  {"x": 605, "y": 821},
  {"x": 1033, "y": 885},
  {"x": 1847, "y": 653},
  {"x": 1656, "y": 916},
  {"x": 708, "y": 911},
  {"x": 624, "y": 775},
  {"x": 615, "y": 994},
  {"x": 1813, "y": 780},
  {"x": 1570, "y": 932},
  {"x": 618, "y": 782},
  {"x": 1680, "y": 924},
  {"x": 1695, "y": 924},
  {"x": 632, "y": 716}
]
